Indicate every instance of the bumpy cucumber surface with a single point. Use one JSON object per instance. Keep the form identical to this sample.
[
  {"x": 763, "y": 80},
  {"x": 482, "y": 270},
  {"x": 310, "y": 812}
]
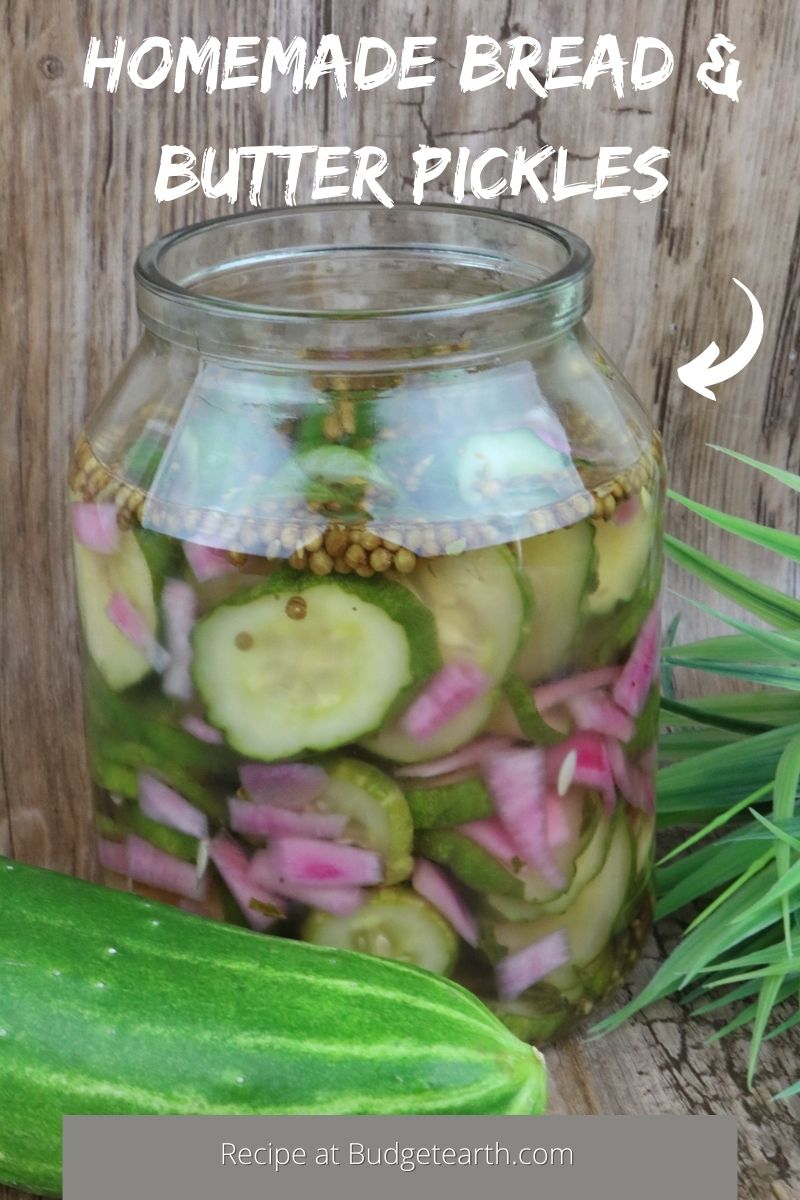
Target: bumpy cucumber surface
[
  {"x": 481, "y": 605},
  {"x": 307, "y": 663},
  {"x": 113, "y": 1004},
  {"x": 449, "y": 802},
  {"x": 98, "y": 577}
]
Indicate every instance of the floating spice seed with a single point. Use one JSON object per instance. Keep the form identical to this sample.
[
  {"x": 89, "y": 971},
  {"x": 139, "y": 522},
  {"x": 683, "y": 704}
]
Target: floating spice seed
[
  {"x": 369, "y": 540},
  {"x": 243, "y": 640},
  {"x": 296, "y": 608},
  {"x": 364, "y": 570},
  {"x": 320, "y": 562},
  {"x": 237, "y": 558},
  {"x": 347, "y": 416},
  {"x": 296, "y": 560},
  {"x": 404, "y": 561},
  {"x": 380, "y": 559},
  {"x": 336, "y": 541},
  {"x": 331, "y": 427},
  {"x": 342, "y": 566},
  {"x": 355, "y": 555}
]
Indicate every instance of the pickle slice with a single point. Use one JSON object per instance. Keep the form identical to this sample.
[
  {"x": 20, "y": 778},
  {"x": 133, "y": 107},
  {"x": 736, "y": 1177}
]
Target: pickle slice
[
  {"x": 393, "y": 923},
  {"x": 378, "y": 812},
  {"x": 560, "y": 567},
  {"x": 308, "y": 663},
  {"x": 449, "y": 802},
  {"x": 481, "y": 605},
  {"x": 98, "y": 578},
  {"x": 468, "y": 861},
  {"x": 592, "y": 917},
  {"x": 622, "y": 553}
]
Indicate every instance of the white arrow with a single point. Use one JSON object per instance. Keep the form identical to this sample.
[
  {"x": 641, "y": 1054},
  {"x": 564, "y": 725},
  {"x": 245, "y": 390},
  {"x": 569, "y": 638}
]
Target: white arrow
[{"x": 699, "y": 374}]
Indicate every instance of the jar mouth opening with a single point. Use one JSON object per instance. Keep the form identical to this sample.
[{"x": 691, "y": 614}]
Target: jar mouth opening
[{"x": 353, "y": 262}]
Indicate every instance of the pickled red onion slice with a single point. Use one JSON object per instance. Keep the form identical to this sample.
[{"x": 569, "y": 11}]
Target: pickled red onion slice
[
  {"x": 491, "y": 836},
  {"x": 95, "y": 526},
  {"x": 470, "y": 755},
  {"x": 433, "y": 885},
  {"x": 447, "y": 694},
  {"x": 597, "y": 712},
  {"x": 155, "y": 868},
  {"x": 200, "y": 729},
  {"x": 289, "y": 785},
  {"x": 339, "y": 901},
  {"x": 207, "y": 562},
  {"x": 234, "y": 867},
  {"x": 548, "y": 695},
  {"x": 129, "y": 621},
  {"x": 310, "y": 862},
  {"x": 517, "y": 781},
  {"x": 524, "y": 968},
  {"x": 180, "y": 612},
  {"x": 267, "y": 820},
  {"x": 163, "y": 804},
  {"x": 638, "y": 674}
]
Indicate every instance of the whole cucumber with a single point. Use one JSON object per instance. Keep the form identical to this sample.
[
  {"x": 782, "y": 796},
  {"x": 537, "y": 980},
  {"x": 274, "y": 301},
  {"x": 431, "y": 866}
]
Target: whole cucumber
[{"x": 110, "y": 1003}]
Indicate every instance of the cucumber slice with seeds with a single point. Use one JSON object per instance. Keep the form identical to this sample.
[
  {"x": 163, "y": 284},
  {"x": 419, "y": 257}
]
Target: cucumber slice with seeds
[
  {"x": 307, "y": 663},
  {"x": 560, "y": 568},
  {"x": 393, "y": 923},
  {"x": 481, "y": 605},
  {"x": 98, "y": 577},
  {"x": 378, "y": 812}
]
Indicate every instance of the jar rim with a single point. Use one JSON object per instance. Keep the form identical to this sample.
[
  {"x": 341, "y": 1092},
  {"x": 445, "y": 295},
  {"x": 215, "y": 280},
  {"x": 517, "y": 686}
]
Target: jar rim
[{"x": 153, "y": 277}]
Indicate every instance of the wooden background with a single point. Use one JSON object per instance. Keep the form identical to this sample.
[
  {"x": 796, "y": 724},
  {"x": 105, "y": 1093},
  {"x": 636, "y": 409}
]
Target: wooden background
[{"x": 78, "y": 169}]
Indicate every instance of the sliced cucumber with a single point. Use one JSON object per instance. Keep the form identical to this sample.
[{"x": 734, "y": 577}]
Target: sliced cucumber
[
  {"x": 378, "y": 812},
  {"x": 587, "y": 864},
  {"x": 98, "y": 577},
  {"x": 468, "y": 861},
  {"x": 591, "y": 918},
  {"x": 452, "y": 802},
  {"x": 277, "y": 684},
  {"x": 172, "y": 841},
  {"x": 560, "y": 567},
  {"x": 524, "y": 718},
  {"x": 481, "y": 605},
  {"x": 622, "y": 556},
  {"x": 163, "y": 556},
  {"x": 582, "y": 813},
  {"x": 393, "y": 923},
  {"x": 517, "y": 462}
]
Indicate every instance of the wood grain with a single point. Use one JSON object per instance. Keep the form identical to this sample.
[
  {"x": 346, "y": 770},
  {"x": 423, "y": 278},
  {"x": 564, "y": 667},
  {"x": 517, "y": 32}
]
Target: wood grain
[{"x": 77, "y": 203}]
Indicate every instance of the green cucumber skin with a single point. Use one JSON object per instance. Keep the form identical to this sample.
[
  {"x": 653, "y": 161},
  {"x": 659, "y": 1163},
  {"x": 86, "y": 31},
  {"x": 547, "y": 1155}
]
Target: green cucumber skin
[
  {"x": 449, "y": 803},
  {"x": 199, "y": 1017}
]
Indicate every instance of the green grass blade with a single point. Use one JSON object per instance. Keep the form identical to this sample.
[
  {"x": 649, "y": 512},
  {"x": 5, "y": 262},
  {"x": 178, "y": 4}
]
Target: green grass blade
[
  {"x": 785, "y": 544},
  {"x": 709, "y": 717},
  {"x": 788, "y": 477},
  {"x": 761, "y": 600},
  {"x": 787, "y": 778},
  {"x": 695, "y": 951},
  {"x": 754, "y": 710},
  {"x": 715, "y": 868},
  {"x": 754, "y": 869},
  {"x": 727, "y": 649},
  {"x": 716, "y": 779}
]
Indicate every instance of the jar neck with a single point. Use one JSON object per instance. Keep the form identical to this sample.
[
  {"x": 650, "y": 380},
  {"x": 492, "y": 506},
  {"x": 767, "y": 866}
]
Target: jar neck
[{"x": 344, "y": 287}]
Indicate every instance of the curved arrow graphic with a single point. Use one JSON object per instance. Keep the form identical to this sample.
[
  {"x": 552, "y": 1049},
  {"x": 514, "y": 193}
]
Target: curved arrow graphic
[{"x": 700, "y": 374}]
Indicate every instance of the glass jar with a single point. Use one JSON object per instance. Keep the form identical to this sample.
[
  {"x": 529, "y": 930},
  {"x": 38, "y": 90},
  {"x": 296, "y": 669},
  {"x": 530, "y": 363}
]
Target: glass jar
[{"x": 368, "y": 550}]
